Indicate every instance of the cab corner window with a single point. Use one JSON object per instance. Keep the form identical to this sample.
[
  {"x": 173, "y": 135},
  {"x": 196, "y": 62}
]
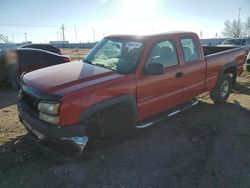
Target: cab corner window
[
  {"x": 163, "y": 53},
  {"x": 190, "y": 51}
]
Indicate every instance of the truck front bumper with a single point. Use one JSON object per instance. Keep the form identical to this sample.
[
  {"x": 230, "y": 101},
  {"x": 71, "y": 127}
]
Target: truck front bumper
[{"x": 48, "y": 132}]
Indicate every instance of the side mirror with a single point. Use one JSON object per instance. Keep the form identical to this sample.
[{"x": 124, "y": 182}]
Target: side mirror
[{"x": 154, "y": 69}]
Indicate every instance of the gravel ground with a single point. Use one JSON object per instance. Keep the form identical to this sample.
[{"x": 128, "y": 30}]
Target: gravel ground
[{"x": 206, "y": 146}]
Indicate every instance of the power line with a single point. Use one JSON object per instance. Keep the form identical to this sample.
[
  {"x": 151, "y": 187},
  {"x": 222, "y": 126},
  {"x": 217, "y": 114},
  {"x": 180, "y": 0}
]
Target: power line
[{"x": 27, "y": 25}]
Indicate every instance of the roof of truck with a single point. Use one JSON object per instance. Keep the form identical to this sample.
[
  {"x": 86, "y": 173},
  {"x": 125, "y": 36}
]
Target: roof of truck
[{"x": 151, "y": 36}]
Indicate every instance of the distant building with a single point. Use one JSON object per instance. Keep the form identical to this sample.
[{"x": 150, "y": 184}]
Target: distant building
[
  {"x": 60, "y": 42},
  {"x": 212, "y": 41},
  {"x": 27, "y": 42}
]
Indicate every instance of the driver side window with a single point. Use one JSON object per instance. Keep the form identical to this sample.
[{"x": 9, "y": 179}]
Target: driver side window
[{"x": 163, "y": 53}]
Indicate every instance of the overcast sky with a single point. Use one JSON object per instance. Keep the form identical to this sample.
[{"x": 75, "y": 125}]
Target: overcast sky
[{"x": 106, "y": 17}]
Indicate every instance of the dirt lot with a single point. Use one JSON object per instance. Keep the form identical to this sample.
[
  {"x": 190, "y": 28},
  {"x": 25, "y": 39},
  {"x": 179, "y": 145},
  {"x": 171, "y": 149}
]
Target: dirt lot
[
  {"x": 75, "y": 54},
  {"x": 207, "y": 146}
]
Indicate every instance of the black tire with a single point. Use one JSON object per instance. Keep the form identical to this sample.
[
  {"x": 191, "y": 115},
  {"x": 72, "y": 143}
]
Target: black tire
[
  {"x": 222, "y": 90},
  {"x": 248, "y": 68},
  {"x": 111, "y": 122}
]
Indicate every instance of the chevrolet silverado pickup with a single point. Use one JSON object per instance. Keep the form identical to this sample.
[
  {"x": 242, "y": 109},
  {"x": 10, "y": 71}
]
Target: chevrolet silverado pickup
[{"x": 125, "y": 82}]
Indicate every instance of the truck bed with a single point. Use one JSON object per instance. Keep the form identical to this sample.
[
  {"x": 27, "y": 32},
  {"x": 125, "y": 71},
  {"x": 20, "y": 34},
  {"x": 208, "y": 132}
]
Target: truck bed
[
  {"x": 217, "y": 57},
  {"x": 208, "y": 50}
]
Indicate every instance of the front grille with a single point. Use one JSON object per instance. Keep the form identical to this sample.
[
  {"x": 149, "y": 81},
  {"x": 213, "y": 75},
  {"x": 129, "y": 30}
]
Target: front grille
[{"x": 31, "y": 101}]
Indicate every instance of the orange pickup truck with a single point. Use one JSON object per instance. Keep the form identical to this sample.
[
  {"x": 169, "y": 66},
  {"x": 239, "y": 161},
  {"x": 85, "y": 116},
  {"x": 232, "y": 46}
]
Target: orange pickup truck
[{"x": 125, "y": 82}]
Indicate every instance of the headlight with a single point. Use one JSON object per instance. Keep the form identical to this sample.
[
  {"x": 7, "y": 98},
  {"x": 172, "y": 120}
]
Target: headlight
[
  {"x": 49, "y": 119},
  {"x": 49, "y": 108}
]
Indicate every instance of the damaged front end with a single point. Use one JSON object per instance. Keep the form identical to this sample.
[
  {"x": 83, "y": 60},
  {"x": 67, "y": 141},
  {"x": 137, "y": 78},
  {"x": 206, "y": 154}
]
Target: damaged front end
[{"x": 39, "y": 113}]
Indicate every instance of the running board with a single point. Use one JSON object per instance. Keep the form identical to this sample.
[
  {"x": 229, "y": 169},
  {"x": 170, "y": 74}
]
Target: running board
[{"x": 167, "y": 114}]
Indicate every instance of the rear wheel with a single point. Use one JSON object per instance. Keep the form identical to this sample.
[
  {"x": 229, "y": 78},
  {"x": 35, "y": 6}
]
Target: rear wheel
[{"x": 222, "y": 89}]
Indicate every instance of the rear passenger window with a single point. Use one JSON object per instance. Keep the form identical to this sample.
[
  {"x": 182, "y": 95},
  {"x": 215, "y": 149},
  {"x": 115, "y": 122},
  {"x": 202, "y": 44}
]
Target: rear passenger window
[
  {"x": 163, "y": 53},
  {"x": 189, "y": 49}
]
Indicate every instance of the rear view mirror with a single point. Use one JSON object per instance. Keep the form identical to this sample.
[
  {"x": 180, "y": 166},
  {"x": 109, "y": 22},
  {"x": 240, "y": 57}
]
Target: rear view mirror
[{"x": 154, "y": 69}]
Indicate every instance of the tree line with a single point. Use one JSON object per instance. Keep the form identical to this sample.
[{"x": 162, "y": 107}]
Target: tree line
[{"x": 236, "y": 28}]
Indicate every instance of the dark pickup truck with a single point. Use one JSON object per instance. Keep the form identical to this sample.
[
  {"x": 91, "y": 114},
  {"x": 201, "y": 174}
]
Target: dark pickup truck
[{"x": 125, "y": 82}]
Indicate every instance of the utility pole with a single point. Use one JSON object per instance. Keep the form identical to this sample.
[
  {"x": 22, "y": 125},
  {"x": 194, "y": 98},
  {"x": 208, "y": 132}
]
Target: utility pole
[
  {"x": 93, "y": 34},
  {"x": 239, "y": 15},
  {"x": 76, "y": 37},
  {"x": 60, "y": 36},
  {"x": 76, "y": 34},
  {"x": 57, "y": 35},
  {"x": 25, "y": 36},
  {"x": 63, "y": 28},
  {"x": 239, "y": 27},
  {"x": 13, "y": 38}
]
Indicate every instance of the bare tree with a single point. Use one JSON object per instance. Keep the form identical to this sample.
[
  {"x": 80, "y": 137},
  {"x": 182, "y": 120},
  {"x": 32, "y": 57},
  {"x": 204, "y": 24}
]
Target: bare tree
[
  {"x": 236, "y": 28},
  {"x": 232, "y": 29}
]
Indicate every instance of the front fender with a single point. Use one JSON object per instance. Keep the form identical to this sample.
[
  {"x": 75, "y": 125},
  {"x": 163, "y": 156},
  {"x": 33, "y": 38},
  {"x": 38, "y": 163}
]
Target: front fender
[{"x": 128, "y": 98}]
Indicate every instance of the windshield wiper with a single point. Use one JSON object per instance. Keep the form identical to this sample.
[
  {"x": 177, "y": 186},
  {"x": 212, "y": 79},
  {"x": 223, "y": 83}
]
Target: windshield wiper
[
  {"x": 98, "y": 64},
  {"x": 87, "y": 61},
  {"x": 102, "y": 65}
]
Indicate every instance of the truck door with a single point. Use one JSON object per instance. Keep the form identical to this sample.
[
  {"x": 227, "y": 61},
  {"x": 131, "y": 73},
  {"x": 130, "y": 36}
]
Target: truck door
[
  {"x": 156, "y": 93},
  {"x": 193, "y": 67}
]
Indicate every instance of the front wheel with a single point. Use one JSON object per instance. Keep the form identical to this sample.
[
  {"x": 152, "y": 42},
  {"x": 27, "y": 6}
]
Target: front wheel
[
  {"x": 111, "y": 122},
  {"x": 222, "y": 89}
]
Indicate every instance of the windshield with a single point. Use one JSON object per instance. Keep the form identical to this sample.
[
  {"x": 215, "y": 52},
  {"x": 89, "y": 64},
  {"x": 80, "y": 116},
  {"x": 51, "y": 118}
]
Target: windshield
[
  {"x": 120, "y": 55},
  {"x": 232, "y": 42}
]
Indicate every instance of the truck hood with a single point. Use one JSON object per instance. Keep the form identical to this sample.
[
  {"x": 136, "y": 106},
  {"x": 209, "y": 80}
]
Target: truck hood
[{"x": 68, "y": 77}]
